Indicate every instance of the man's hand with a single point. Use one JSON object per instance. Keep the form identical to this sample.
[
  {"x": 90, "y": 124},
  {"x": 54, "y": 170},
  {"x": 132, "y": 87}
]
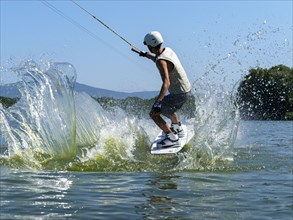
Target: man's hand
[
  {"x": 143, "y": 54},
  {"x": 157, "y": 106}
]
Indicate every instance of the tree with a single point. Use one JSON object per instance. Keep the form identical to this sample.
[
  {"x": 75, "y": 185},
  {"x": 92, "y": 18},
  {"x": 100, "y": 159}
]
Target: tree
[
  {"x": 7, "y": 102},
  {"x": 267, "y": 94}
]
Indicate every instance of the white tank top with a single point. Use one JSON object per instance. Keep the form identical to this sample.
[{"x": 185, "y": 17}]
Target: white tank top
[{"x": 179, "y": 82}]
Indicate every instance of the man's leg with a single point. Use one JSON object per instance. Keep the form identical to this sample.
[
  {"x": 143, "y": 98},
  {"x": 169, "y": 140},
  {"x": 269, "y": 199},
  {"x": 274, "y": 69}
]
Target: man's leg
[
  {"x": 170, "y": 137},
  {"x": 160, "y": 122},
  {"x": 174, "y": 118}
]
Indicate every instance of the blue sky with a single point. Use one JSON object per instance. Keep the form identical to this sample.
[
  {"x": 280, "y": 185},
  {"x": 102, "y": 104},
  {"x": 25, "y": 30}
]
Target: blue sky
[{"x": 216, "y": 40}]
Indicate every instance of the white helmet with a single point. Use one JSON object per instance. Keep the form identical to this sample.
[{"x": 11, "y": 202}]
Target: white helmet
[{"x": 153, "y": 39}]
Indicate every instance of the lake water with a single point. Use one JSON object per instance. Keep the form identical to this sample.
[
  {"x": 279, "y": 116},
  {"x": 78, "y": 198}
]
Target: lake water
[{"x": 257, "y": 184}]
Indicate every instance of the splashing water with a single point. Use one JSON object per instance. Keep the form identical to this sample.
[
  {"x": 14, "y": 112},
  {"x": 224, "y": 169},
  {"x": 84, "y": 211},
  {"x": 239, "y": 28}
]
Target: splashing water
[
  {"x": 43, "y": 121},
  {"x": 53, "y": 127},
  {"x": 215, "y": 125}
]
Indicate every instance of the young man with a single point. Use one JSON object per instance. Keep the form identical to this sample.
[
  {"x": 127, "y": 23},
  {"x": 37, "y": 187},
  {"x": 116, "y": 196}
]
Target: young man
[{"x": 174, "y": 81}]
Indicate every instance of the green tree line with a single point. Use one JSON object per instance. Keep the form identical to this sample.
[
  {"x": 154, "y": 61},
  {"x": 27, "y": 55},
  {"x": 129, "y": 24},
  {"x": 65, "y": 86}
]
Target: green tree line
[
  {"x": 7, "y": 102},
  {"x": 267, "y": 94}
]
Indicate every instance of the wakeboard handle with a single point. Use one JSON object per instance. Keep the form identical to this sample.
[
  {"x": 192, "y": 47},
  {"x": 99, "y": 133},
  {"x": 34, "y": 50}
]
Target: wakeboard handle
[{"x": 134, "y": 49}]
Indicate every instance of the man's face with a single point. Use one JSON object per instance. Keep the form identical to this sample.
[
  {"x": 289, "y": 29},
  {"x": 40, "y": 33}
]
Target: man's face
[
  {"x": 150, "y": 48},
  {"x": 153, "y": 49}
]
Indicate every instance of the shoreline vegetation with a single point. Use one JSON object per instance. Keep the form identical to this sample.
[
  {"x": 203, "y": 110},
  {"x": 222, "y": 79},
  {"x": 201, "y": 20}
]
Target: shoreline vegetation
[
  {"x": 263, "y": 94},
  {"x": 266, "y": 94}
]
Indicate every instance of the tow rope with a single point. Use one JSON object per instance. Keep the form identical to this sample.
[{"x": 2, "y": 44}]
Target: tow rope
[{"x": 133, "y": 48}]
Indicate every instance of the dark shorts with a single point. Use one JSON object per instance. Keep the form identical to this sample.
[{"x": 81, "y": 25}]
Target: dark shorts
[{"x": 173, "y": 102}]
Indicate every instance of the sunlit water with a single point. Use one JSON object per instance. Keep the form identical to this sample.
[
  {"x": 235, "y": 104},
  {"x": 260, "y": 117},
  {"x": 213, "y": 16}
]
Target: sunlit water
[{"x": 257, "y": 185}]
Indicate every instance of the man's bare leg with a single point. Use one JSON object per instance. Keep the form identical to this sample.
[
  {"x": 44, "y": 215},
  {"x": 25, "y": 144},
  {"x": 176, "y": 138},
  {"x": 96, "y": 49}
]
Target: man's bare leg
[
  {"x": 160, "y": 122},
  {"x": 174, "y": 118}
]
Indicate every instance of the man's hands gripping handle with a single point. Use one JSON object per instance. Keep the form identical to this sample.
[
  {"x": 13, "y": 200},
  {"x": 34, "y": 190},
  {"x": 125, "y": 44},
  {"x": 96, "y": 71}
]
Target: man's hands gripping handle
[{"x": 140, "y": 52}]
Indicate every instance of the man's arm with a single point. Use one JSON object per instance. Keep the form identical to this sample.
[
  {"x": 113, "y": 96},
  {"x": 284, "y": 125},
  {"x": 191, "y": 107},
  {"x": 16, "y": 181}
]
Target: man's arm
[
  {"x": 150, "y": 56},
  {"x": 163, "y": 69}
]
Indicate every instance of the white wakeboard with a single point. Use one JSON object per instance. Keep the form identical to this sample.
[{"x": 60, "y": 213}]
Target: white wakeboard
[{"x": 155, "y": 149}]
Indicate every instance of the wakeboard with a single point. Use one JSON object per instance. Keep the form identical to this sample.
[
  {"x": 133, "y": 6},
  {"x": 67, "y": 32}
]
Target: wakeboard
[{"x": 156, "y": 149}]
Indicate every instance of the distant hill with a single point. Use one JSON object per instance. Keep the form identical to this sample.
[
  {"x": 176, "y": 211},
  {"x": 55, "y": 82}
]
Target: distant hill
[
  {"x": 11, "y": 91},
  {"x": 97, "y": 92}
]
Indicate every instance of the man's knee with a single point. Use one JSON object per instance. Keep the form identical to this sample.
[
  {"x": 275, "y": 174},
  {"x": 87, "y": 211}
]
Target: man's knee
[{"x": 154, "y": 115}]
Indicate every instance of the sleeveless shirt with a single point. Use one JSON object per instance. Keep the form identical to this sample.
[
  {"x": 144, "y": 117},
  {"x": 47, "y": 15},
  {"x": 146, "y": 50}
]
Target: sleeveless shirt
[{"x": 179, "y": 82}]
